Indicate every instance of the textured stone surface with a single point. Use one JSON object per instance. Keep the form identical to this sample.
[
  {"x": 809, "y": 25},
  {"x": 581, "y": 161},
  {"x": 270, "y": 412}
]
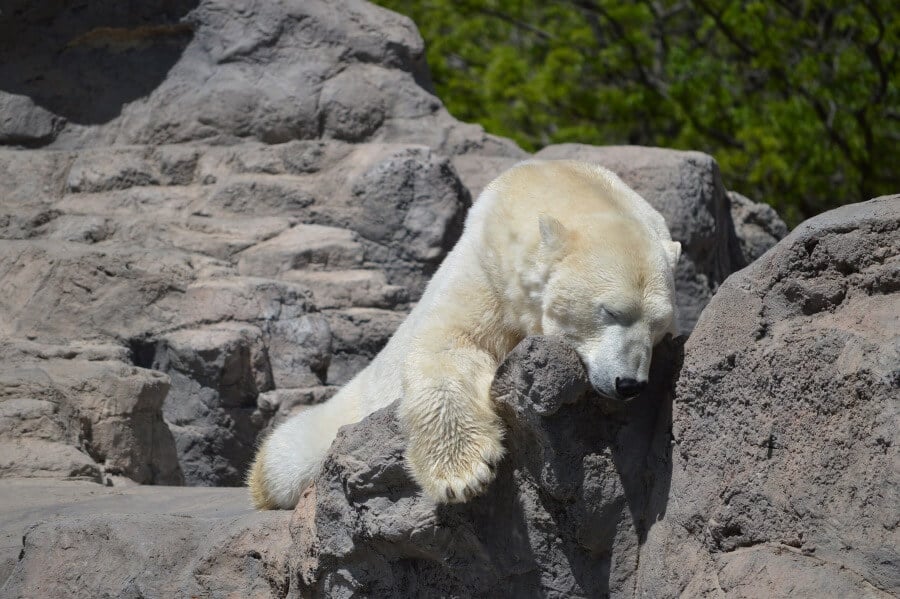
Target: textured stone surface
[
  {"x": 565, "y": 517},
  {"x": 212, "y": 284},
  {"x": 353, "y": 72},
  {"x": 757, "y": 225},
  {"x": 184, "y": 265},
  {"x": 81, "y": 411},
  {"x": 263, "y": 232},
  {"x": 76, "y": 539},
  {"x": 785, "y": 470}
]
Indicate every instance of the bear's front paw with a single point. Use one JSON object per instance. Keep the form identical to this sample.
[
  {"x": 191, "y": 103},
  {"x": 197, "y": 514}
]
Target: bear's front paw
[{"x": 457, "y": 478}]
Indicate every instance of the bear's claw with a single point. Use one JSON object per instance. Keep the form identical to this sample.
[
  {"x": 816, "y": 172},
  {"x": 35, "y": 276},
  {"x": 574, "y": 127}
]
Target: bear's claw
[{"x": 464, "y": 484}]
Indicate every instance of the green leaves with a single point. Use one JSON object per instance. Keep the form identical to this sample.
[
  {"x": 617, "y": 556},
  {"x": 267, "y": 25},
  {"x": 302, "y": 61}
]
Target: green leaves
[{"x": 798, "y": 101}]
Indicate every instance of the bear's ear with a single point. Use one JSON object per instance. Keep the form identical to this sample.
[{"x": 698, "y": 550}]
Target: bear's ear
[
  {"x": 553, "y": 234},
  {"x": 673, "y": 253}
]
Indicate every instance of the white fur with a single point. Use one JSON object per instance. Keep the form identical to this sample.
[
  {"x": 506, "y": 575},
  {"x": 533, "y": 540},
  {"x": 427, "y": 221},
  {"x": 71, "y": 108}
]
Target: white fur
[{"x": 559, "y": 247}]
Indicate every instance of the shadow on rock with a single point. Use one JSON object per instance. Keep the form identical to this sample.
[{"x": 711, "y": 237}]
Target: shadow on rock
[
  {"x": 584, "y": 480},
  {"x": 85, "y": 62}
]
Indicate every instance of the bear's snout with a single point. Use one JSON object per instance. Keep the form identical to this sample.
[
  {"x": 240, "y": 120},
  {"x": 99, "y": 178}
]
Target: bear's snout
[{"x": 627, "y": 388}]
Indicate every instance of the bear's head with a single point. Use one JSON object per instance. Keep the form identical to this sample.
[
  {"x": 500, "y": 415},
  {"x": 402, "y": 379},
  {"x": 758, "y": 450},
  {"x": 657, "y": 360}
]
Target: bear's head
[{"x": 609, "y": 292}]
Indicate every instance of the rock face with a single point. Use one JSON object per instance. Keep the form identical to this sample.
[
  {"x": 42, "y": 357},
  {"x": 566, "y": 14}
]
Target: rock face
[
  {"x": 213, "y": 215},
  {"x": 565, "y": 517},
  {"x": 65, "y": 410},
  {"x": 271, "y": 72},
  {"x": 232, "y": 270},
  {"x": 757, "y": 225},
  {"x": 785, "y": 479},
  {"x": 136, "y": 541},
  {"x": 255, "y": 238}
]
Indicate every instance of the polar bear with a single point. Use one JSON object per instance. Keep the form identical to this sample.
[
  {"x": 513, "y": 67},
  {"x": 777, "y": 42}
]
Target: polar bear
[{"x": 549, "y": 248}]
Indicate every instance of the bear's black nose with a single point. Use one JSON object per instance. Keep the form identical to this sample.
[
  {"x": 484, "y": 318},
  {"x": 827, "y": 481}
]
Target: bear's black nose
[{"x": 629, "y": 388}]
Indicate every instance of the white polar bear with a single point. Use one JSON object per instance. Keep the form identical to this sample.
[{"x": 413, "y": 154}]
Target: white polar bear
[{"x": 549, "y": 248}]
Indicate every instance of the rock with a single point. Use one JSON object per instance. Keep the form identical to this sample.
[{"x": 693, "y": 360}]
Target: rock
[
  {"x": 565, "y": 517},
  {"x": 71, "y": 539},
  {"x": 243, "y": 299},
  {"x": 349, "y": 288},
  {"x": 300, "y": 350},
  {"x": 362, "y": 77},
  {"x": 152, "y": 273},
  {"x": 103, "y": 169},
  {"x": 78, "y": 412},
  {"x": 24, "y": 123},
  {"x": 785, "y": 422},
  {"x": 304, "y": 246},
  {"x": 358, "y": 334},
  {"x": 216, "y": 375},
  {"x": 36, "y": 458},
  {"x": 72, "y": 291},
  {"x": 757, "y": 225}
]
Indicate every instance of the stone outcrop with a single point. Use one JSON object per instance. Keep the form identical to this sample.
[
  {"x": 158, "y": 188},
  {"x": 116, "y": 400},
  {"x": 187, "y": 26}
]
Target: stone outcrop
[
  {"x": 214, "y": 214},
  {"x": 565, "y": 517},
  {"x": 67, "y": 409},
  {"x": 784, "y": 469},
  {"x": 256, "y": 238},
  {"x": 233, "y": 276}
]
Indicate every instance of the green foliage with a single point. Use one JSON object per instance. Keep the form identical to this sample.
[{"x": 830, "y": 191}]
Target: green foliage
[{"x": 797, "y": 100}]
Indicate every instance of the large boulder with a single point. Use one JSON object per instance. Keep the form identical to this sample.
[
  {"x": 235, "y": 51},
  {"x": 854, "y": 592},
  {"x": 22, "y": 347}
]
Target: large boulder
[
  {"x": 784, "y": 475},
  {"x": 565, "y": 517},
  {"x": 271, "y": 72}
]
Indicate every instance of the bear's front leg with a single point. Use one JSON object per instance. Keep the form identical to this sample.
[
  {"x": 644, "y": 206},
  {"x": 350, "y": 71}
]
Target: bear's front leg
[{"x": 455, "y": 436}]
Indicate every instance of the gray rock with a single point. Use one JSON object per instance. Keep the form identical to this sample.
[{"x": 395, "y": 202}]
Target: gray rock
[
  {"x": 36, "y": 458},
  {"x": 71, "y": 539},
  {"x": 82, "y": 412},
  {"x": 349, "y": 288},
  {"x": 785, "y": 422},
  {"x": 300, "y": 351},
  {"x": 358, "y": 334},
  {"x": 565, "y": 517},
  {"x": 347, "y": 70},
  {"x": 304, "y": 246},
  {"x": 216, "y": 375},
  {"x": 757, "y": 225},
  {"x": 160, "y": 276},
  {"x": 24, "y": 123},
  {"x": 121, "y": 168}
]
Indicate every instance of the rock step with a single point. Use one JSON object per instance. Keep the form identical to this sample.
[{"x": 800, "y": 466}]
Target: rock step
[
  {"x": 303, "y": 246},
  {"x": 349, "y": 288}
]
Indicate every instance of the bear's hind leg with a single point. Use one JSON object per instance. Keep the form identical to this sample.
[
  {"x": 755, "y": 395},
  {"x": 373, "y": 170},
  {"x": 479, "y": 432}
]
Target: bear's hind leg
[{"x": 455, "y": 436}]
